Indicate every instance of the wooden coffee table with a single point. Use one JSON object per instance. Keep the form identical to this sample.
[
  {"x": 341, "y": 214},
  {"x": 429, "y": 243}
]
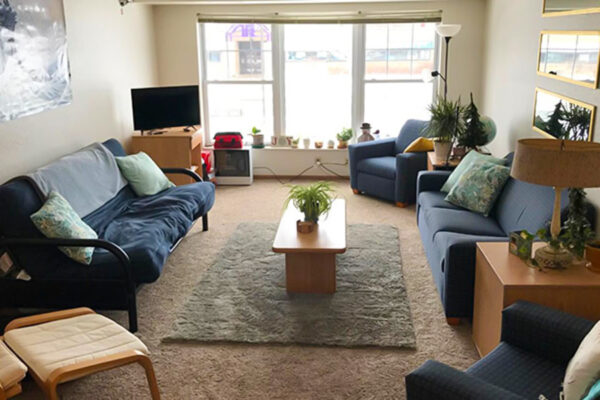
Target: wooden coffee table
[{"x": 310, "y": 257}]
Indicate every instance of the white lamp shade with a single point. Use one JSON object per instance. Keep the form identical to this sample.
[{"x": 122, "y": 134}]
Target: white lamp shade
[{"x": 447, "y": 30}]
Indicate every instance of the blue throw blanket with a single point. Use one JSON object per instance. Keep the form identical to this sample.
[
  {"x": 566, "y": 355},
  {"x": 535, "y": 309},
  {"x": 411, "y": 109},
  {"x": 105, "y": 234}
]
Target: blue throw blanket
[{"x": 87, "y": 178}]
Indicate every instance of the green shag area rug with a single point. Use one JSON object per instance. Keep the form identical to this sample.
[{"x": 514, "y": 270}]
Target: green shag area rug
[{"x": 242, "y": 296}]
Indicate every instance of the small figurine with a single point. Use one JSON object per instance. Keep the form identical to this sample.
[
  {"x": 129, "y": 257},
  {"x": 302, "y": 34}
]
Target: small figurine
[{"x": 366, "y": 133}]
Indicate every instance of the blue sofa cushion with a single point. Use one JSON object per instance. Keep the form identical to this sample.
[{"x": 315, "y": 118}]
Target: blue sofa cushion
[
  {"x": 523, "y": 205},
  {"x": 520, "y": 372},
  {"x": 435, "y": 200},
  {"x": 460, "y": 221},
  {"x": 378, "y": 166},
  {"x": 410, "y": 131}
]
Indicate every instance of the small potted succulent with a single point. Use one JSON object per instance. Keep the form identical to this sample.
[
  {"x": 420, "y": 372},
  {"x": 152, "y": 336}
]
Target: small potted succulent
[
  {"x": 343, "y": 137},
  {"x": 313, "y": 201},
  {"x": 295, "y": 142},
  {"x": 330, "y": 144},
  {"x": 258, "y": 139}
]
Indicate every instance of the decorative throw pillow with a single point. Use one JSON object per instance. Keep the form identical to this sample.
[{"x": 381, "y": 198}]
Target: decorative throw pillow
[
  {"x": 594, "y": 392},
  {"x": 584, "y": 367},
  {"x": 479, "y": 187},
  {"x": 465, "y": 164},
  {"x": 420, "y": 145},
  {"x": 57, "y": 220},
  {"x": 143, "y": 174}
]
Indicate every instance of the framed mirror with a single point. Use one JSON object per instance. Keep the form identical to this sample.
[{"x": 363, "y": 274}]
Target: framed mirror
[
  {"x": 572, "y": 56},
  {"x": 554, "y": 8},
  {"x": 560, "y": 117}
]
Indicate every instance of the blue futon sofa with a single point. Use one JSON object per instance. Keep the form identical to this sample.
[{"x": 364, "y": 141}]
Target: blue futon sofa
[
  {"x": 135, "y": 234},
  {"x": 449, "y": 233}
]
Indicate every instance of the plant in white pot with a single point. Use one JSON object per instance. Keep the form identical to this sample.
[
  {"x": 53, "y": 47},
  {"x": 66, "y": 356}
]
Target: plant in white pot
[
  {"x": 313, "y": 201},
  {"x": 445, "y": 125},
  {"x": 258, "y": 139}
]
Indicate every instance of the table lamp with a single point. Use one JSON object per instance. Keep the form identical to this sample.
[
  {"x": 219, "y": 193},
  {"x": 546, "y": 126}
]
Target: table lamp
[{"x": 561, "y": 164}]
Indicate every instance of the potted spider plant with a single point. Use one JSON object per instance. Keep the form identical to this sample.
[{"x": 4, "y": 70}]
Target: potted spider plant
[
  {"x": 343, "y": 137},
  {"x": 445, "y": 125},
  {"x": 258, "y": 139},
  {"x": 313, "y": 201}
]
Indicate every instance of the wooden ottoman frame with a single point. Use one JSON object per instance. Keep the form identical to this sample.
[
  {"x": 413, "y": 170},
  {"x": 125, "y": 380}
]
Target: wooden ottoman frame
[
  {"x": 84, "y": 368},
  {"x": 10, "y": 392}
]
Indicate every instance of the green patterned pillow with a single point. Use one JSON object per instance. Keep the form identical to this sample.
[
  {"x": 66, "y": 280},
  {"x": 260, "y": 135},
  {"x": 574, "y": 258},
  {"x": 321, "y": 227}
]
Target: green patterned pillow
[
  {"x": 465, "y": 164},
  {"x": 479, "y": 187},
  {"x": 57, "y": 220}
]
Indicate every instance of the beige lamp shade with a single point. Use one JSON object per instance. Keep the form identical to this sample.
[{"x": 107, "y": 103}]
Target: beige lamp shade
[{"x": 557, "y": 163}]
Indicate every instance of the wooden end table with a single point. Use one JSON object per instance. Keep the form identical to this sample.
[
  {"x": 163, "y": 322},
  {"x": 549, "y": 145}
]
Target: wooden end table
[
  {"x": 310, "y": 257},
  {"x": 435, "y": 164},
  {"x": 502, "y": 278}
]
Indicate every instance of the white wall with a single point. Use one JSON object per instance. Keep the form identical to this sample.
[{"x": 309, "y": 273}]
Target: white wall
[
  {"x": 109, "y": 53},
  {"x": 509, "y": 76},
  {"x": 177, "y": 55}
]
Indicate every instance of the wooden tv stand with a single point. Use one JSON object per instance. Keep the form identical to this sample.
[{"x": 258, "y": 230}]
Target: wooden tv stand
[{"x": 174, "y": 148}]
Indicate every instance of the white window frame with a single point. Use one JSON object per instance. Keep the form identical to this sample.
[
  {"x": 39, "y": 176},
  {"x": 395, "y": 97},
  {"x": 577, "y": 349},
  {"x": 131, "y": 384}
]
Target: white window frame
[{"x": 358, "y": 73}]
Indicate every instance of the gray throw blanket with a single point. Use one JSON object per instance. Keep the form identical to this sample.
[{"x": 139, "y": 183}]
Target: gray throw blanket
[{"x": 87, "y": 179}]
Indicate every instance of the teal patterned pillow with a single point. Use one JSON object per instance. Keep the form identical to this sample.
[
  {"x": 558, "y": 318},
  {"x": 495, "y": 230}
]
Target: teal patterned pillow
[
  {"x": 57, "y": 220},
  {"x": 479, "y": 187}
]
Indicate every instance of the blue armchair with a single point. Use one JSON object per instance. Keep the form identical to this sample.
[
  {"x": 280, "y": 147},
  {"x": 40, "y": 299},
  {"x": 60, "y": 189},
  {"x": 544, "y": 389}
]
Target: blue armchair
[
  {"x": 532, "y": 358},
  {"x": 381, "y": 168}
]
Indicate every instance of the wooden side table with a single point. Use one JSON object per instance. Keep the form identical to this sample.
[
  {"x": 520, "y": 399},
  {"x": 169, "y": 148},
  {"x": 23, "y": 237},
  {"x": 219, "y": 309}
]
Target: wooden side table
[
  {"x": 502, "y": 278},
  {"x": 173, "y": 149},
  {"x": 435, "y": 164}
]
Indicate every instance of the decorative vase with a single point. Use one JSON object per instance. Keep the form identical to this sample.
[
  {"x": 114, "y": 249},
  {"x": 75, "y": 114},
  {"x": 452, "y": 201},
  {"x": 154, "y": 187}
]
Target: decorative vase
[
  {"x": 318, "y": 145},
  {"x": 305, "y": 226},
  {"x": 442, "y": 149},
  {"x": 258, "y": 141},
  {"x": 342, "y": 144},
  {"x": 330, "y": 144},
  {"x": 592, "y": 255},
  {"x": 306, "y": 143}
]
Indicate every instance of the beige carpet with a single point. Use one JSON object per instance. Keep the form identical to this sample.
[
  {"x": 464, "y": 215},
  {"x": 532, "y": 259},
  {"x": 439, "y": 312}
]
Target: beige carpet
[{"x": 237, "y": 371}]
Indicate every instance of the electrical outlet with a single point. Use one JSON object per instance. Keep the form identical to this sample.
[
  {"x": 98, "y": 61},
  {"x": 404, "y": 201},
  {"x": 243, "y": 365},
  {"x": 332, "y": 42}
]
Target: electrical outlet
[{"x": 318, "y": 161}]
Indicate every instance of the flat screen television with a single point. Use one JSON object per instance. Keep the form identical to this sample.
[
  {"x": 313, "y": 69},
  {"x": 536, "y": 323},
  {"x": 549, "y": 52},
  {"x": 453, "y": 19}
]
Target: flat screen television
[{"x": 165, "y": 107}]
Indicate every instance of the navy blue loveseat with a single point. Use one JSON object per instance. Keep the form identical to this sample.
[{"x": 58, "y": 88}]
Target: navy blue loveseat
[
  {"x": 380, "y": 168},
  {"x": 135, "y": 237},
  {"x": 449, "y": 233},
  {"x": 537, "y": 344}
]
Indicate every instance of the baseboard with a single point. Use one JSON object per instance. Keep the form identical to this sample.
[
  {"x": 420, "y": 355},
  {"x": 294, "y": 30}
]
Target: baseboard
[{"x": 322, "y": 177}]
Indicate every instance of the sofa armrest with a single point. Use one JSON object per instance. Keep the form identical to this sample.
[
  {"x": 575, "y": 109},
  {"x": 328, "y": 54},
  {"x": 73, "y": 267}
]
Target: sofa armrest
[
  {"x": 431, "y": 181},
  {"x": 360, "y": 151},
  {"x": 437, "y": 381},
  {"x": 112, "y": 248},
  {"x": 550, "y": 333},
  {"x": 183, "y": 171},
  {"x": 408, "y": 166}
]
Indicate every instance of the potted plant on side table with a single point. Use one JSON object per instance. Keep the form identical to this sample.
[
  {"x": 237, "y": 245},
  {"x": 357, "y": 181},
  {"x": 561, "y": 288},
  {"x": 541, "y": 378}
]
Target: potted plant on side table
[
  {"x": 343, "y": 137},
  {"x": 313, "y": 201},
  {"x": 474, "y": 134},
  {"x": 258, "y": 139},
  {"x": 445, "y": 125}
]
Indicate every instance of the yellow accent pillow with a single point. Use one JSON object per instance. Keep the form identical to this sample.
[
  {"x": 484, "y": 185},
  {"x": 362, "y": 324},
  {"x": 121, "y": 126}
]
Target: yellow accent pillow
[{"x": 420, "y": 145}]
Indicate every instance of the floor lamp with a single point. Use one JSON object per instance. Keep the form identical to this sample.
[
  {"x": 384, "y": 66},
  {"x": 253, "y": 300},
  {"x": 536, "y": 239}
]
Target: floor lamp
[{"x": 447, "y": 31}]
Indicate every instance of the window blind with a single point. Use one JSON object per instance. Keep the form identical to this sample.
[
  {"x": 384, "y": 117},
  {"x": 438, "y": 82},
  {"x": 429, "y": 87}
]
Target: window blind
[{"x": 326, "y": 18}]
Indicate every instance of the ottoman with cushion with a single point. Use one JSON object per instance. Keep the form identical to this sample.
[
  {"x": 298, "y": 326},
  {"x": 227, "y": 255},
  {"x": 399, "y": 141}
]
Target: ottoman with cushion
[
  {"x": 65, "y": 345},
  {"x": 12, "y": 372}
]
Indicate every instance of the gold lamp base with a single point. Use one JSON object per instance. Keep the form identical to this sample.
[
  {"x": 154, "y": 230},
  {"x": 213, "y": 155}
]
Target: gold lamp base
[{"x": 550, "y": 257}]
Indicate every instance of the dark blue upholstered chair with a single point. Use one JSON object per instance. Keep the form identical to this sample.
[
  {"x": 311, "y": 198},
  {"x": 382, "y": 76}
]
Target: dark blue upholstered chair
[
  {"x": 381, "y": 168},
  {"x": 536, "y": 346}
]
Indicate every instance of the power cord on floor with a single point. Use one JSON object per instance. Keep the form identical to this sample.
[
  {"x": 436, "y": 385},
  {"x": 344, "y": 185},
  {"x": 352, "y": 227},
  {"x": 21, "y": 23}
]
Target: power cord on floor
[{"x": 317, "y": 164}]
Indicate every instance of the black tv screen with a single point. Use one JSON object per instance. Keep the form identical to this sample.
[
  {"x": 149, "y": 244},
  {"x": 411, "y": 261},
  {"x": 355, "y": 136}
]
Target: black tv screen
[{"x": 165, "y": 107}]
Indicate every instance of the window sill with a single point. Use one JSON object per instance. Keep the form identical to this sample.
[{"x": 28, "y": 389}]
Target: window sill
[{"x": 269, "y": 148}]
